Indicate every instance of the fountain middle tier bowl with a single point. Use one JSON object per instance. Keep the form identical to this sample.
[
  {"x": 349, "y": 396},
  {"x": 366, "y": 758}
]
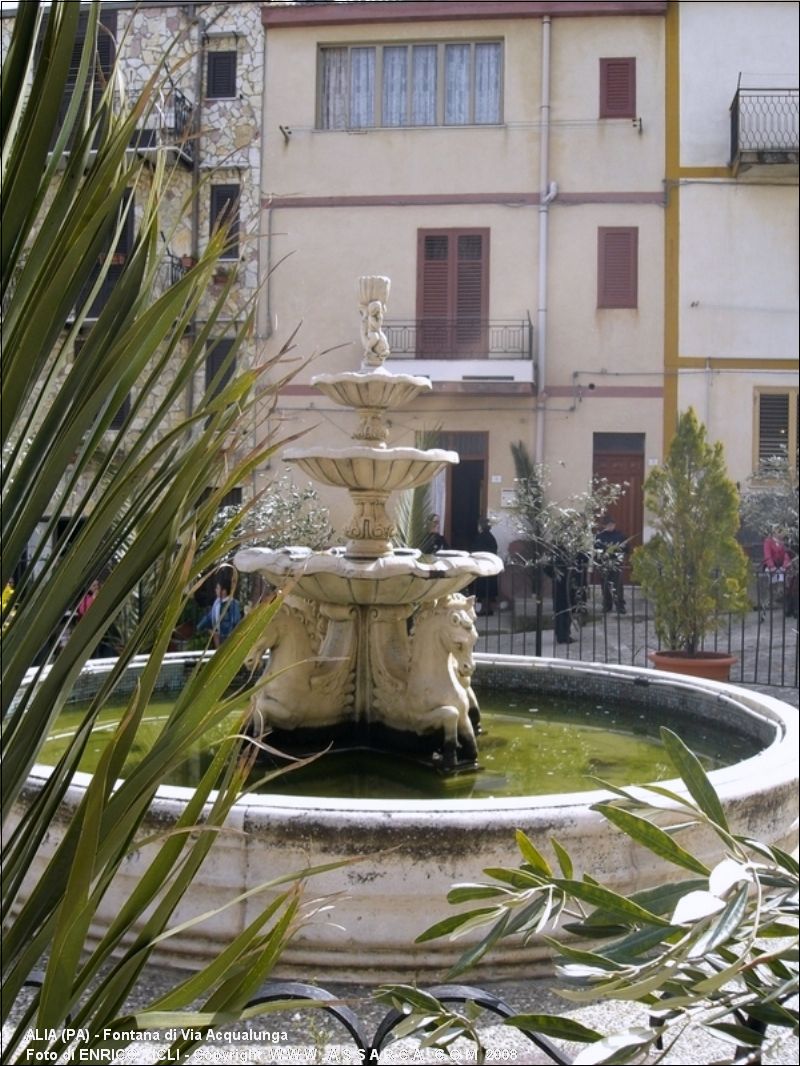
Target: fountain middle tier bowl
[
  {"x": 376, "y": 389},
  {"x": 366, "y": 469},
  {"x": 404, "y": 577}
]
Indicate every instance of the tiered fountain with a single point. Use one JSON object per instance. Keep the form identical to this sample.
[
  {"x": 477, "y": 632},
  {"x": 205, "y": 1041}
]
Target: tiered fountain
[
  {"x": 373, "y": 643},
  {"x": 378, "y": 644}
]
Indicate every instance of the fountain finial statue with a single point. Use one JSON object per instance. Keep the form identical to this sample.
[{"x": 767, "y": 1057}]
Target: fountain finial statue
[
  {"x": 373, "y": 296},
  {"x": 381, "y": 639}
]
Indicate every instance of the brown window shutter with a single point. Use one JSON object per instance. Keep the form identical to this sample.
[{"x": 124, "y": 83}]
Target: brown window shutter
[
  {"x": 617, "y": 266},
  {"x": 224, "y": 208},
  {"x": 773, "y": 425},
  {"x": 452, "y": 291},
  {"x": 618, "y": 88}
]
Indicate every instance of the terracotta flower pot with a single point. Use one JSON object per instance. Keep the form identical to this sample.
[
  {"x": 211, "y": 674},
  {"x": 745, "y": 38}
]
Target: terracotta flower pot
[{"x": 712, "y": 665}]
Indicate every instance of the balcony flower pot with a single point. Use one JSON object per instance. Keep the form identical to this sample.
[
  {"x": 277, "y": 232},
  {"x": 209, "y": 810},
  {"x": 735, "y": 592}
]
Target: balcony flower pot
[
  {"x": 711, "y": 665},
  {"x": 188, "y": 261},
  {"x": 118, "y": 259},
  {"x": 692, "y": 569}
]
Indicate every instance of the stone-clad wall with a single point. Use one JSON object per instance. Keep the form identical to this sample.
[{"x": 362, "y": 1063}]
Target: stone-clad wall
[{"x": 227, "y": 137}]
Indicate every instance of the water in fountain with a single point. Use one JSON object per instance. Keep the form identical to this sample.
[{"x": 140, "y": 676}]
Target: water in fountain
[{"x": 373, "y": 646}]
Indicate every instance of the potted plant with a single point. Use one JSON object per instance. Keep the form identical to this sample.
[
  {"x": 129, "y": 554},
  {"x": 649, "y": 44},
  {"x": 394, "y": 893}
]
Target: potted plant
[{"x": 692, "y": 569}]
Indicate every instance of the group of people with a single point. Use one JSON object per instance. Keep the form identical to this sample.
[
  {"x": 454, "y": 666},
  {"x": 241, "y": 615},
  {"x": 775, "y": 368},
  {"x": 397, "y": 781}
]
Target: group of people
[{"x": 485, "y": 588}]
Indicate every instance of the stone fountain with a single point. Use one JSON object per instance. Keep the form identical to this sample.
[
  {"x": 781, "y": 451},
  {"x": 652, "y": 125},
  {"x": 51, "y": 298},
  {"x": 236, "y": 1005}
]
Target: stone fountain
[{"x": 372, "y": 644}]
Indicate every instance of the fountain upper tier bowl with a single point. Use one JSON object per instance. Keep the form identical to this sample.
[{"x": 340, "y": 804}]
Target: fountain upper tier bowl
[
  {"x": 375, "y": 389},
  {"x": 362, "y": 468},
  {"x": 403, "y": 577}
]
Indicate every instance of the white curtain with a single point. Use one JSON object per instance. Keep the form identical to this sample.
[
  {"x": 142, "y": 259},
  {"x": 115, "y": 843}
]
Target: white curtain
[
  {"x": 423, "y": 85},
  {"x": 456, "y": 73},
  {"x": 487, "y": 82},
  {"x": 362, "y": 87},
  {"x": 395, "y": 86},
  {"x": 334, "y": 89},
  {"x": 437, "y": 496}
]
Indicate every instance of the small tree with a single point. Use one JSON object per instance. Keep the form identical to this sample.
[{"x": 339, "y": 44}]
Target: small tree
[
  {"x": 693, "y": 568},
  {"x": 559, "y": 531},
  {"x": 770, "y": 500}
]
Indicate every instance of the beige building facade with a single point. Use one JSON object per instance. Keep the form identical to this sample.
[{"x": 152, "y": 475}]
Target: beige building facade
[
  {"x": 732, "y": 225},
  {"x": 503, "y": 163}
]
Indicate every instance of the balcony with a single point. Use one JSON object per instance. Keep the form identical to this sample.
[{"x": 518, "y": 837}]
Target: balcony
[
  {"x": 170, "y": 271},
  {"x": 479, "y": 355},
  {"x": 764, "y": 133},
  {"x": 170, "y": 128}
]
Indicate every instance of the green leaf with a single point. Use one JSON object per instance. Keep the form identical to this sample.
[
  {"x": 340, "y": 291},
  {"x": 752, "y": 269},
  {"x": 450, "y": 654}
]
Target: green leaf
[
  {"x": 694, "y": 776},
  {"x": 611, "y": 902},
  {"x": 531, "y": 853},
  {"x": 449, "y": 925},
  {"x": 564, "y": 861},
  {"x": 554, "y": 1025},
  {"x": 652, "y": 838}
]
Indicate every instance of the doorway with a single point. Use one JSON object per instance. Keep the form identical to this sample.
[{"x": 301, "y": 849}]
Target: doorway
[
  {"x": 619, "y": 457},
  {"x": 466, "y": 487}
]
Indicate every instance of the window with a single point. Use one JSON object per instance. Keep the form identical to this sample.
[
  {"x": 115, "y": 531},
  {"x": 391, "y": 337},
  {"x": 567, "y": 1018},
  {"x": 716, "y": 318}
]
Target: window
[
  {"x": 458, "y": 84},
  {"x": 105, "y": 51},
  {"x": 224, "y": 209},
  {"x": 220, "y": 364},
  {"x": 617, "y": 88},
  {"x": 452, "y": 292},
  {"x": 118, "y": 421},
  {"x": 776, "y": 424},
  {"x": 122, "y": 250},
  {"x": 617, "y": 266},
  {"x": 221, "y": 75}
]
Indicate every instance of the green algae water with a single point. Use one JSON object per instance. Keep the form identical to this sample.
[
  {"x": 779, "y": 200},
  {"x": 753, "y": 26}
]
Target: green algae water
[{"x": 531, "y": 745}]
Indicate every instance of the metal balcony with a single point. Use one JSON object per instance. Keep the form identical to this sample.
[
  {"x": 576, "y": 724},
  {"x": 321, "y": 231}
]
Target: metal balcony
[
  {"x": 477, "y": 354},
  {"x": 170, "y": 127},
  {"x": 463, "y": 338},
  {"x": 765, "y": 132}
]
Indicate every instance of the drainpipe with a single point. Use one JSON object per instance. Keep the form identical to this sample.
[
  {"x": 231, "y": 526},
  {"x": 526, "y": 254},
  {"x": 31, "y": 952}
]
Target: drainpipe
[
  {"x": 200, "y": 51},
  {"x": 547, "y": 193}
]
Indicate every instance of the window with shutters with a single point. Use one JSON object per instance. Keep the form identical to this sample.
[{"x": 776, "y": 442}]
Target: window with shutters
[
  {"x": 452, "y": 292},
  {"x": 776, "y": 424},
  {"x": 221, "y": 75},
  {"x": 105, "y": 52},
  {"x": 456, "y": 83},
  {"x": 224, "y": 209},
  {"x": 114, "y": 268},
  {"x": 618, "y": 88},
  {"x": 220, "y": 364},
  {"x": 617, "y": 266}
]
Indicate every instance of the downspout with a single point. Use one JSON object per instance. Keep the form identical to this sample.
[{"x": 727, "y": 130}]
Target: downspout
[
  {"x": 547, "y": 193},
  {"x": 200, "y": 51}
]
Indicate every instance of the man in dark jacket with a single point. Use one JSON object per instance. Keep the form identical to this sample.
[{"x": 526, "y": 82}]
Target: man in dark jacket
[{"x": 610, "y": 549}]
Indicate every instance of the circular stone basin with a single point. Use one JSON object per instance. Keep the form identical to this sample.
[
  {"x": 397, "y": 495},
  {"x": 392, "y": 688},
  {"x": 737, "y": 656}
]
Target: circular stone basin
[
  {"x": 362, "y": 468},
  {"x": 375, "y": 389},
  {"x": 411, "y": 851},
  {"x": 403, "y": 577}
]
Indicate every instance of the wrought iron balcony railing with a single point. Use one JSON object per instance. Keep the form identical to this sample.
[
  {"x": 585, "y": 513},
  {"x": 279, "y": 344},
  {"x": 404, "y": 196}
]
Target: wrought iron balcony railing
[
  {"x": 463, "y": 338},
  {"x": 765, "y": 128},
  {"x": 170, "y": 271},
  {"x": 170, "y": 125}
]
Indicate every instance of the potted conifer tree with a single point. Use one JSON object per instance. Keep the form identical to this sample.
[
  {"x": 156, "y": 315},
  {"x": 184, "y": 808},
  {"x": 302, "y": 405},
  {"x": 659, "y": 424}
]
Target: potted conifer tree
[{"x": 693, "y": 569}]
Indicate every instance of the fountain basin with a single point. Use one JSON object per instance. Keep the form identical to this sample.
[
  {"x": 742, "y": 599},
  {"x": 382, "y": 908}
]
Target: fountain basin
[
  {"x": 390, "y": 896},
  {"x": 400, "y": 578},
  {"x": 376, "y": 389},
  {"x": 362, "y": 468}
]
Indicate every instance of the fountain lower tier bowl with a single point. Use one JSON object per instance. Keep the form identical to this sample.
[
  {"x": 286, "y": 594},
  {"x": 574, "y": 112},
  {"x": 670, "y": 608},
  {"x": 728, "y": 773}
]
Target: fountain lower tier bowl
[
  {"x": 362, "y": 468},
  {"x": 402, "y": 578},
  {"x": 410, "y": 852}
]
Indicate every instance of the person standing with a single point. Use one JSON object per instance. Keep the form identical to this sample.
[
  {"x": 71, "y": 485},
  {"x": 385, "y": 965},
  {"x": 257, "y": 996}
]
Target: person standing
[
  {"x": 485, "y": 587},
  {"x": 610, "y": 548},
  {"x": 225, "y": 613},
  {"x": 434, "y": 541}
]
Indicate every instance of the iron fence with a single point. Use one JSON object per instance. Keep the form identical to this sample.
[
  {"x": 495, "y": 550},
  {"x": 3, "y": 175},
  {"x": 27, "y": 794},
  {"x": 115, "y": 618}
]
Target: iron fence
[
  {"x": 462, "y": 338},
  {"x": 764, "y": 123},
  {"x": 763, "y": 641}
]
